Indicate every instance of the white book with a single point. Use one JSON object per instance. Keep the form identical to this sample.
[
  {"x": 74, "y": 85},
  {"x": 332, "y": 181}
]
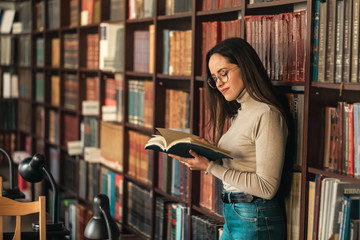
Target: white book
[
  {"x": 7, "y": 21},
  {"x": 331, "y": 211},
  {"x": 6, "y": 85}
]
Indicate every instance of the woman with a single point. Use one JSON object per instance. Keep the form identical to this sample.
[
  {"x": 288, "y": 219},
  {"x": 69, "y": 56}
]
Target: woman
[{"x": 239, "y": 87}]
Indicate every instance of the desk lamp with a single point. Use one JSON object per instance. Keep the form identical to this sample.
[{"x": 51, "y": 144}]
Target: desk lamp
[
  {"x": 13, "y": 192},
  {"x": 101, "y": 225},
  {"x": 33, "y": 169}
]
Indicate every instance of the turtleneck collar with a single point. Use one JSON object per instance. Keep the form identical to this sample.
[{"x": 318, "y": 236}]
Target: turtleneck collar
[{"x": 243, "y": 97}]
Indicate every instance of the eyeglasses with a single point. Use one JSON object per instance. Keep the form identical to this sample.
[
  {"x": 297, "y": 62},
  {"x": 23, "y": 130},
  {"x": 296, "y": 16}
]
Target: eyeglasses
[{"x": 223, "y": 76}]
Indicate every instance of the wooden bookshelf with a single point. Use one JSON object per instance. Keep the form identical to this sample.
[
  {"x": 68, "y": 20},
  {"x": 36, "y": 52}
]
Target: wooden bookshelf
[{"x": 72, "y": 27}]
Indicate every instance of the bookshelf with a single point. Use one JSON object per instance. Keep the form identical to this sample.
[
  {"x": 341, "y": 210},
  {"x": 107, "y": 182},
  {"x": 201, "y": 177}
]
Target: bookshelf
[{"x": 63, "y": 61}]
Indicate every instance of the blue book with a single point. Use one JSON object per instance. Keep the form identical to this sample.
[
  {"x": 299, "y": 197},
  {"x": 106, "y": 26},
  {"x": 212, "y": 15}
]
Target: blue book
[
  {"x": 178, "y": 222},
  {"x": 111, "y": 192},
  {"x": 316, "y": 39},
  {"x": 345, "y": 219}
]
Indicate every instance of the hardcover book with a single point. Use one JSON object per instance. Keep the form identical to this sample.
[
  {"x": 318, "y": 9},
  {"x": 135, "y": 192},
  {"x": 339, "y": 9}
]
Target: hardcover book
[{"x": 180, "y": 143}]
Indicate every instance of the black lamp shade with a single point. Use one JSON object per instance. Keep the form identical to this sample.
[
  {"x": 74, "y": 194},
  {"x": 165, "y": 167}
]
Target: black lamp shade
[
  {"x": 101, "y": 225},
  {"x": 96, "y": 229},
  {"x": 31, "y": 169}
]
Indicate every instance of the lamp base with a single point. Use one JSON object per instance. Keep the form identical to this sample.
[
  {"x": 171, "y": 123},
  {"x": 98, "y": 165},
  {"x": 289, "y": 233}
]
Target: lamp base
[
  {"x": 50, "y": 227},
  {"x": 13, "y": 193}
]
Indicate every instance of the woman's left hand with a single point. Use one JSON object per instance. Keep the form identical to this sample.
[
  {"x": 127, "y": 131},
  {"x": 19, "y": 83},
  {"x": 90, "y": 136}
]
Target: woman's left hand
[{"x": 196, "y": 163}]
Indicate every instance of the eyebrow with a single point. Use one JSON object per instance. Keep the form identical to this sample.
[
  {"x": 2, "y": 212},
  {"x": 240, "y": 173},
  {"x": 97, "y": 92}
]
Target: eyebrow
[{"x": 221, "y": 69}]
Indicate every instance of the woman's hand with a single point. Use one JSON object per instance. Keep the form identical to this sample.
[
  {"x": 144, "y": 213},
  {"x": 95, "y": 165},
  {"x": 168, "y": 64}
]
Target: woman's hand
[{"x": 196, "y": 163}]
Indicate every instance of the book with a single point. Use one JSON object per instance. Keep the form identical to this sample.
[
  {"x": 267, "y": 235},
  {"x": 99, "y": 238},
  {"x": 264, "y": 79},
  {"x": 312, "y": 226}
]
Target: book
[{"x": 180, "y": 143}]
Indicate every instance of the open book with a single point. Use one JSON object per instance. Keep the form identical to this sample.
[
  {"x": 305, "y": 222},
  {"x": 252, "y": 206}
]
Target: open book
[{"x": 180, "y": 143}]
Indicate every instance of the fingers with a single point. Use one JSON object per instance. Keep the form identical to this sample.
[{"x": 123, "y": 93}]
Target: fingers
[{"x": 193, "y": 153}]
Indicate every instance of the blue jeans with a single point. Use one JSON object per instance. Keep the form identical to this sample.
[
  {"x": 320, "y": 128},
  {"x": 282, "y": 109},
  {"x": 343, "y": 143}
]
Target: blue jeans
[{"x": 260, "y": 219}]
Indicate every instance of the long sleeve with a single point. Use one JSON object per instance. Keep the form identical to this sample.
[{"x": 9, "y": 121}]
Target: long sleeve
[{"x": 258, "y": 148}]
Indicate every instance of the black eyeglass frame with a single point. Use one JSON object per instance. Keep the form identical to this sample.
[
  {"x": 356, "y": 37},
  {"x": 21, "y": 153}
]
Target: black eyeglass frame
[{"x": 212, "y": 81}]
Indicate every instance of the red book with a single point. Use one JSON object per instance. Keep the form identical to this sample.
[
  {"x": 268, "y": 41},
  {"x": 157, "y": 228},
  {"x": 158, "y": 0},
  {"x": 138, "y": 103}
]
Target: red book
[{"x": 340, "y": 107}]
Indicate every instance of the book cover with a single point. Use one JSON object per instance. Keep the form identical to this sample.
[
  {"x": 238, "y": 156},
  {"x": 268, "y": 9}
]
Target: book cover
[{"x": 180, "y": 143}]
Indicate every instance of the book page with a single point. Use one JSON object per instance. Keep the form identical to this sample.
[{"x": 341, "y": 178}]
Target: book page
[{"x": 172, "y": 135}]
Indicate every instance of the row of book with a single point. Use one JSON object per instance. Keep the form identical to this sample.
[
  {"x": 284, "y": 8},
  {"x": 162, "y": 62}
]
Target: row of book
[
  {"x": 175, "y": 6},
  {"x": 25, "y": 51},
  {"x": 172, "y": 177},
  {"x": 172, "y": 222},
  {"x": 215, "y": 32},
  {"x": 211, "y": 189},
  {"x": 279, "y": 41},
  {"x": 341, "y": 138},
  {"x": 24, "y": 111},
  {"x": 75, "y": 217},
  {"x": 8, "y": 114},
  {"x": 40, "y": 121},
  {"x": 138, "y": 210},
  {"x": 90, "y": 12},
  {"x": 114, "y": 91},
  {"x": 144, "y": 49},
  {"x": 177, "y": 109},
  {"x": 9, "y": 50},
  {"x": 140, "y": 102},
  {"x": 92, "y": 46},
  {"x": 140, "y": 9},
  {"x": 39, "y": 87},
  {"x": 53, "y": 14},
  {"x": 208, "y": 5},
  {"x": 71, "y": 47},
  {"x": 139, "y": 159},
  {"x": 336, "y": 41},
  {"x": 10, "y": 85},
  {"x": 7, "y": 142},
  {"x": 177, "y": 52},
  {"x": 111, "y": 184},
  {"x": 333, "y": 209},
  {"x": 7, "y": 17}
]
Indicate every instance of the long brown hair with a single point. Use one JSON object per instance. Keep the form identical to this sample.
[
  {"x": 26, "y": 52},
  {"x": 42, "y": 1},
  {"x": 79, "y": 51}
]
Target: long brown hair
[
  {"x": 259, "y": 87},
  {"x": 255, "y": 79}
]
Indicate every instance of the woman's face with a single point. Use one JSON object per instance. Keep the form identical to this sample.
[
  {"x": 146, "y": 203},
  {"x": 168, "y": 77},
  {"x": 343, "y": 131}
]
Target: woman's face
[{"x": 221, "y": 68}]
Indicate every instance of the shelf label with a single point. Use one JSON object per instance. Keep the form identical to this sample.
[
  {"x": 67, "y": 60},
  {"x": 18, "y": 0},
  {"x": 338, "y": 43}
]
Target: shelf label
[
  {"x": 90, "y": 108},
  {"x": 74, "y": 148}
]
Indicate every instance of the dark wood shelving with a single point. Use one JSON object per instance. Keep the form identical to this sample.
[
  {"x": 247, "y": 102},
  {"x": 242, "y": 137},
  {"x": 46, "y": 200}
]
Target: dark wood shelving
[
  {"x": 168, "y": 196},
  {"x": 345, "y": 86},
  {"x": 317, "y": 94},
  {"x": 173, "y": 77},
  {"x": 342, "y": 177},
  {"x": 175, "y": 16},
  {"x": 273, "y": 4},
  {"x": 68, "y": 191},
  {"x": 138, "y": 128},
  {"x": 138, "y": 74},
  {"x": 138, "y": 182},
  {"x": 218, "y": 11},
  {"x": 208, "y": 213},
  {"x": 147, "y": 20}
]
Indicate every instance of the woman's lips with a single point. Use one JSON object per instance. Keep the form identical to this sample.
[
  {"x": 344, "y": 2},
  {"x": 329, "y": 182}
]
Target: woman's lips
[{"x": 223, "y": 91}]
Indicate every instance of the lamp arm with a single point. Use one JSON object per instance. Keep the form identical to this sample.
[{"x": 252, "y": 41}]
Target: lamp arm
[
  {"x": 11, "y": 163},
  {"x": 55, "y": 196},
  {"x": 107, "y": 220}
]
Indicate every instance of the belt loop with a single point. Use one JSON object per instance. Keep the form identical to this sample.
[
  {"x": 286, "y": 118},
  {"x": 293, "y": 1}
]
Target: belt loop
[{"x": 229, "y": 197}]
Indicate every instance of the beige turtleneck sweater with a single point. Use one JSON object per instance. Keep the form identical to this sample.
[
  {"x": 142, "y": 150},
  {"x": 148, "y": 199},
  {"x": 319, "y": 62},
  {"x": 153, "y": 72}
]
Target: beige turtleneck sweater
[{"x": 257, "y": 139}]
